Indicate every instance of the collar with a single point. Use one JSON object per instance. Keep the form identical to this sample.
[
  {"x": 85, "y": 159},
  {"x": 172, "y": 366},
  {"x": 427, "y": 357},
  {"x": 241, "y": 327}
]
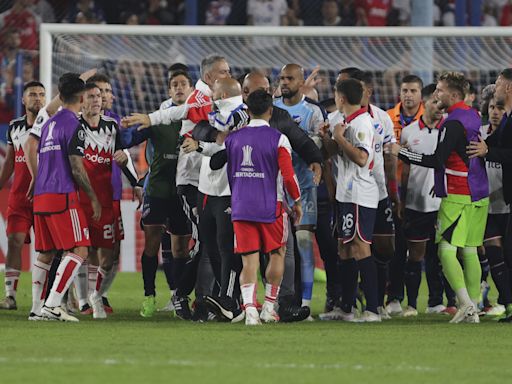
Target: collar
[
  {"x": 422, "y": 124},
  {"x": 459, "y": 105},
  {"x": 202, "y": 87},
  {"x": 229, "y": 104},
  {"x": 258, "y": 123},
  {"x": 369, "y": 110},
  {"x": 351, "y": 117}
]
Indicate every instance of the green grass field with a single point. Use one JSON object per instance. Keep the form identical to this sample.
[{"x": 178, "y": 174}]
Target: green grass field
[{"x": 126, "y": 348}]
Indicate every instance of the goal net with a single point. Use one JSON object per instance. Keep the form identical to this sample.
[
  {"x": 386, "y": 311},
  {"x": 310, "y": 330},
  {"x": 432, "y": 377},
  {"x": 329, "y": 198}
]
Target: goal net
[{"x": 137, "y": 58}]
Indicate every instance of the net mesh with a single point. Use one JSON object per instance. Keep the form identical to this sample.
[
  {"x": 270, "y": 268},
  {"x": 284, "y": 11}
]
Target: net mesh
[{"x": 138, "y": 64}]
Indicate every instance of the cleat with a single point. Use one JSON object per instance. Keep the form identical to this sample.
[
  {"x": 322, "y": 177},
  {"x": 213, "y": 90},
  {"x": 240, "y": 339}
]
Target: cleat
[
  {"x": 289, "y": 312},
  {"x": 394, "y": 308},
  {"x": 497, "y": 310},
  {"x": 369, "y": 317},
  {"x": 410, "y": 312},
  {"x": 349, "y": 316},
  {"x": 35, "y": 317},
  {"x": 268, "y": 314},
  {"x": 384, "y": 315},
  {"x": 330, "y": 304},
  {"x": 98, "y": 311},
  {"x": 310, "y": 318},
  {"x": 106, "y": 305},
  {"x": 169, "y": 307},
  {"x": 181, "y": 307},
  {"x": 57, "y": 313},
  {"x": 148, "y": 306},
  {"x": 467, "y": 313},
  {"x": 225, "y": 308},
  {"x": 335, "y": 314},
  {"x": 451, "y": 310},
  {"x": 435, "y": 309},
  {"x": 9, "y": 303},
  {"x": 201, "y": 312},
  {"x": 252, "y": 316},
  {"x": 86, "y": 309}
]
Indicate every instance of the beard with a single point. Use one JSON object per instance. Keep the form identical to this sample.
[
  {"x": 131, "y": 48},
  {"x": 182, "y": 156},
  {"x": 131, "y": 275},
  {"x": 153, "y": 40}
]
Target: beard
[
  {"x": 34, "y": 110},
  {"x": 289, "y": 93}
]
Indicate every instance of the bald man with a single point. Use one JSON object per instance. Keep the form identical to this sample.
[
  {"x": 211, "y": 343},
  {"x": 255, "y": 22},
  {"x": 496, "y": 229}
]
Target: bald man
[{"x": 310, "y": 117}]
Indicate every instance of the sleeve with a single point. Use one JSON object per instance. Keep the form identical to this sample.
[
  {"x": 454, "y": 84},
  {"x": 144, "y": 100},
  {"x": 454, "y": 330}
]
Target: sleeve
[
  {"x": 203, "y": 131},
  {"x": 389, "y": 132},
  {"x": 451, "y": 133},
  {"x": 284, "y": 159},
  {"x": 77, "y": 142},
  {"x": 129, "y": 171},
  {"x": 41, "y": 119},
  {"x": 404, "y": 136},
  {"x": 8, "y": 135},
  {"x": 499, "y": 155},
  {"x": 210, "y": 149},
  {"x": 218, "y": 160},
  {"x": 169, "y": 115},
  {"x": 319, "y": 117},
  {"x": 363, "y": 137},
  {"x": 229, "y": 120},
  {"x": 130, "y": 137}
]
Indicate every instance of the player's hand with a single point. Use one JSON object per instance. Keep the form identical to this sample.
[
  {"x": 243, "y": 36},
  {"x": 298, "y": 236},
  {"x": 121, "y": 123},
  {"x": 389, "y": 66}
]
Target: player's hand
[
  {"x": 120, "y": 158},
  {"x": 339, "y": 131},
  {"x": 392, "y": 149},
  {"x": 297, "y": 213},
  {"x": 397, "y": 208},
  {"x": 137, "y": 193},
  {"x": 189, "y": 145},
  {"x": 477, "y": 148},
  {"x": 96, "y": 209},
  {"x": 140, "y": 119},
  {"x": 88, "y": 74},
  {"x": 323, "y": 129},
  {"x": 30, "y": 191},
  {"x": 313, "y": 80},
  {"x": 317, "y": 172}
]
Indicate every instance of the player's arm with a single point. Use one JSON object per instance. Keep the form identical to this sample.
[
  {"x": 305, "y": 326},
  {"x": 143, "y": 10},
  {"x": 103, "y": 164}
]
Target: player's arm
[
  {"x": 160, "y": 116},
  {"x": 357, "y": 154},
  {"x": 8, "y": 167},
  {"x": 130, "y": 137},
  {"x": 301, "y": 143},
  {"x": 290, "y": 181},
  {"x": 450, "y": 138},
  {"x": 390, "y": 163},
  {"x": 129, "y": 170}
]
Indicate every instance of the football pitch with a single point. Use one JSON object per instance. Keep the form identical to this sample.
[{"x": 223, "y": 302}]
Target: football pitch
[{"x": 127, "y": 348}]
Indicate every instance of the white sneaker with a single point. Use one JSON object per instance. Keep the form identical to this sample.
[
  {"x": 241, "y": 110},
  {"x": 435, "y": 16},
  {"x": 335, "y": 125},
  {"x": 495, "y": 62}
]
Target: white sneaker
[
  {"x": 350, "y": 317},
  {"x": 268, "y": 314},
  {"x": 394, "y": 308},
  {"x": 384, "y": 315},
  {"x": 35, "y": 317},
  {"x": 169, "y": 307},
  {"x": 496, "y": 310},
  {"x": 334, "y": 315},
  {"x": 98, "y": 311},
  {"x": 410, "y": 312},
  {"x": 310, "y": 318},
  {"x": 435, "y": 309},
  {"x": 57, "y": 313},
  {"x": 369, "y": 317},
  {"x": 252, "y": 317},
  {"x": 467, "y": 311}
]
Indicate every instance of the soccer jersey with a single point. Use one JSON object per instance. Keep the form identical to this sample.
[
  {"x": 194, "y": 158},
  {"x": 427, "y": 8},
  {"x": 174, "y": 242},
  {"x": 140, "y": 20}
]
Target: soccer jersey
[
  {"x": 357, "y": 184},
  {"x": 17, "y": 134},
  {"x": 383, "y": 135},
  {"x": 100, "y": 144},
  {"x": 41, "y": 119},
  {"x": 117, "y": 182},
  {"x": 497, "y": 203},
  {"x": 61, "y": 137},
  {"x": 308, "y": 115},
  {"x": 421, "y": 139}
]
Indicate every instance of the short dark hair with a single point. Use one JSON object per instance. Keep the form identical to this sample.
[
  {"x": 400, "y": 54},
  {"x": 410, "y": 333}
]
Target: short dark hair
[
  {"x": 177, "y": 73},
  {"x": 70, "y": 87},
  {"x": 471, "y": 89},
  {"x": 99, "y": 77},
  {"x": 31, "y": 84},
  {"x": 326, "y": 103},
  {"x": 428, "y": 91},
  {"x": 365, "y": 76},
  {"x": 177, "y": 67},
  {"x": 352, "y": 89},
  {"x": 259, "y": 102},
  {"x": 507, "y": 73},
  {"x": 456, "y": 82},
  {"x": 89, "y": 86},
  {"x": 412, "y": 79},
  {"x": 348, "y": 70}
]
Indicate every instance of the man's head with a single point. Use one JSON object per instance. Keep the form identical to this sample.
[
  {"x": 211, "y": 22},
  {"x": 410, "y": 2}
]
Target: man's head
[
  {"x": 71, "y": 88},
  {"x": 451, "y": 88},
  {"x": 226, "y": 88},
  {"x": 347, "y": 73},
  {"x": 180, "y": 86},
  {"x": 92, "y": 100},
  {"x": 430, "y": 102},
  {"x": 470, "y": 96},
  {"x": 495, "y": 112},
  {"x": 291, "y": 79},
  {"x": 504, "y": 87},
  {"x": 103, "y": 83},
  {"x": 260, "y": 103},
  {"x": 214, "y": 67},
  {"x": 180, "y": 67},
  {"x": 330, "y": 10},
  {"x": 410, "y": 92},
  {"x": 255, "y": 81},
  {"x": 348, "y": 92},
  {"x": 34, "y": 96},
  {"x": 366, "y": 80}
]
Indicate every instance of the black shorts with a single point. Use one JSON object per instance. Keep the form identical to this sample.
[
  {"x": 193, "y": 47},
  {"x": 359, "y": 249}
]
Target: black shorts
[
  {"x": 354, "y": 219},
  {"x": 419, "y": 226},
  {"x": 165, "y": 213},
  {"x": 496, "y": 226},
  {"x": 384, "y": 224}
]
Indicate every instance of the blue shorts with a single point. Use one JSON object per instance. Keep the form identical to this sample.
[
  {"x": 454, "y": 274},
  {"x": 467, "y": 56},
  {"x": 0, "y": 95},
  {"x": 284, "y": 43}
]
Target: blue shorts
[
  {"x": 354, "y": 219},
  {"x": 308, "y": 198},
  {"x": 384, "y": 225}
]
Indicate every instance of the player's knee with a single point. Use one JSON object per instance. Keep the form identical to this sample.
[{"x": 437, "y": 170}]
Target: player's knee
[
  {"x": 304, "y": 239},
  {"x": 15, "y": 243},
  {"x": 179, "y": 246}
]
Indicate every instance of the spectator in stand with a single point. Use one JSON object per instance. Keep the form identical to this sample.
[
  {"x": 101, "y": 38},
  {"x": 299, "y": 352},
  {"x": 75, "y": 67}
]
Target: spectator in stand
[
  {"x": 86, "y": 17},
  {"x": 217, "y": 12},
  {"x": 158, "y": 14},
  {"x": 348, "y": 13},
  {"x": 27, "y": 22},
  {"x": 305, "y": 12},
  {"x": 402, "y": 9},
  {"x": 489, "y": 16},
  {"x": 44, "y": 10},
  {"x": 373, "y": 13},
  {"x": 267, "y": 12},
  {"x": 89, "y": 9},
  {"x": 506, "y": 14},
  {"x": 130, "y": 19},
  {"x": 9, "y": 49},
  {"x": 330, "y": 14}
]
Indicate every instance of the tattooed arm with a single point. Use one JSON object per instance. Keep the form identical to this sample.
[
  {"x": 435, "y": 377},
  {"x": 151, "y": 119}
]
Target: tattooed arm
[{"x": 81, "y": 178}]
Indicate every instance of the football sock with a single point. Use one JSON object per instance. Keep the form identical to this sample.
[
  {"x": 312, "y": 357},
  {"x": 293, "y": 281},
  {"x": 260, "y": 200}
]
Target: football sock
[
  {"x": 348, "y": 272},
  {"x": 66, "y": 273},
  {"x": 108, "y": 279},
  {"x": 453, "y": 271},
  {"x": 39, "y": 285},
  {"x": 271, "y": 292},
  {"x": 472, "y": 272},
  {"x": 412, "y": 281},
  {"x": 499, "y": 273},
  {"x": 307, "y": 262},
  {"x": 149, "y": 268},
  {"x": 81, "y": 283},
  {"x": 368, "y": 271},
  {"x": 92, "y": 273},
  {"x": 249, "y": 295},
  {"x": 382, "y": 277},
  {"x": 11, "y": 281}
]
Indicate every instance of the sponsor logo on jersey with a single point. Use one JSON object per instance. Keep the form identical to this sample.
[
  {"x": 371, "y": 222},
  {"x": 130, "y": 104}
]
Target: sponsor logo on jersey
[
  {"x": 247, "y": 156},
  {"x": 96, "y": 158},
  {"x": 20, "y": 159}
]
